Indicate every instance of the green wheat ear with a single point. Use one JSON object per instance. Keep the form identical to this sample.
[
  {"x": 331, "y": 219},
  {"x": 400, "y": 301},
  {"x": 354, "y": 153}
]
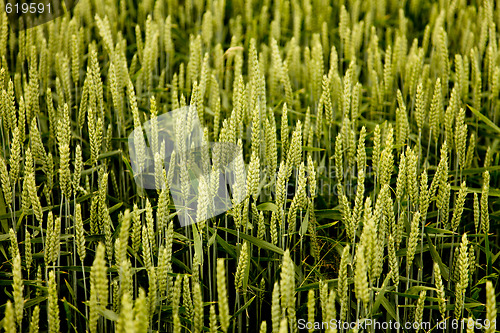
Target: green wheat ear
[
  {"x": 53, "y": 308},
  {"x": 491, "y": 311},
  {"x": 222, "y": 295},
  {"x": 9, "y": 321}
]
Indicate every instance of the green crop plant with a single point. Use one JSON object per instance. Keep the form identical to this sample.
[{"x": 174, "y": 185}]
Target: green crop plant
[{"x": 368, "y": 188}]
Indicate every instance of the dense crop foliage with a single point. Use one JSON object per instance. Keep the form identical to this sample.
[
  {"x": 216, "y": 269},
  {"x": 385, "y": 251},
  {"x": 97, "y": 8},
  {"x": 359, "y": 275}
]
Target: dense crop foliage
[{"x": 369, "y": 136}]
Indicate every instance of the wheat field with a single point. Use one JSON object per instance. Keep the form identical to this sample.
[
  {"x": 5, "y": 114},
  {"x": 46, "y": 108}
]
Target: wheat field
[{"x": 366, "y": 190}]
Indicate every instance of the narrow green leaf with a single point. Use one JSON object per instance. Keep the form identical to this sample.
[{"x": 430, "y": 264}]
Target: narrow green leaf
[
  {"x": 333, "y": 214},
  {"x": 34, "y": 301},
  {"x": 226, "y": 246},
  {"x": 240, "y": 310},
  {"x": 211, "y": 240},
  {"x": 389, "y": 307},
  {"x": 268, "y": 206},
  {"x": 255, "y": 241},
  {"x": 304, "y": 224},
  {"x": 315, "y": 285},
  {"x": 70, "y": 289},
  {"x": 485, "y": 119},
  {"x": 108, "y": 314},
  {"x": 67, "y": 310},
  {"x": 306, "y": 148},
  {"x": 109, "y": 154},
  {"x": 381, "y": 293},
  {"x": 435, "y": 256},
  {"x": 492, "y": 192},
  {"x": 198, "y": 247},
  {"x": 326, "y": 226}
]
